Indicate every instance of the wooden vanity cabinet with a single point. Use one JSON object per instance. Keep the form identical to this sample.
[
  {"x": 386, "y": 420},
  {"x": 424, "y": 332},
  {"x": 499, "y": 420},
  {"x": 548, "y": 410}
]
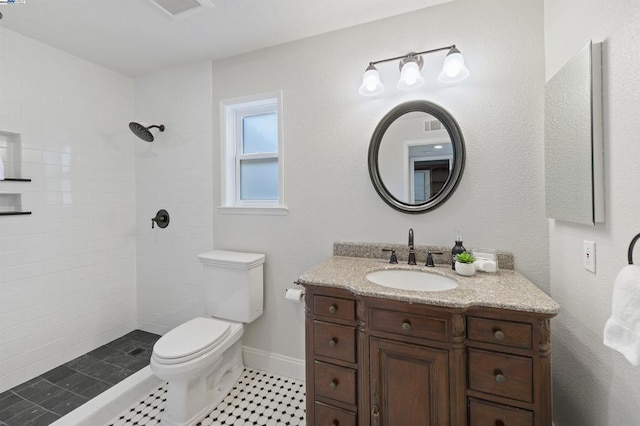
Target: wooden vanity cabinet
[
  {"x": 332, "y": 371},
  {"x": 414, "y": 357},
  {"x": 509, "y": 368},
  {"x": 381, "y": 362}
]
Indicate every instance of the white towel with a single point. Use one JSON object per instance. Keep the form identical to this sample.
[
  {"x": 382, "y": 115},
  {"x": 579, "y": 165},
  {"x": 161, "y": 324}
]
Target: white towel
[{"x": 622, "y": 330}]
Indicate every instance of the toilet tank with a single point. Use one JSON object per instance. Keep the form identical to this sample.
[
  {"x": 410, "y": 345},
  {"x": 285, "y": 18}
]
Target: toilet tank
[{"x": 233, "y": 284}]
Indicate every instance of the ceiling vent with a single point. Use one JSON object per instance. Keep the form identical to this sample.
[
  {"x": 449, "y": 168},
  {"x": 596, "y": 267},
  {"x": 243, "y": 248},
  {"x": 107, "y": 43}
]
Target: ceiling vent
[
  {"x": 183, "y": 8},
  {"x": 430, "y": 125}
]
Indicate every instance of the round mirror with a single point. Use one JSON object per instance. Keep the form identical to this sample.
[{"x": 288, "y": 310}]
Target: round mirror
[{"x": 416, "y": 156}]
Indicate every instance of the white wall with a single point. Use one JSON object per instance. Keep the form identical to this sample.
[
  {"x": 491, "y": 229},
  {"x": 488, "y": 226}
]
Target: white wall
[
  {"x": 594, "y": 385},
  {"x": 173, "y": 173},
  {"x": 66, "y": 271},
  {"x": 327, "y": 127}
]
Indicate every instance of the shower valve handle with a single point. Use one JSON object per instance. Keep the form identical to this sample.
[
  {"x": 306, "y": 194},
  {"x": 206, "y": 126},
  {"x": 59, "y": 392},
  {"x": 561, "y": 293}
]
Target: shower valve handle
[{"x": 161, "y": 219}]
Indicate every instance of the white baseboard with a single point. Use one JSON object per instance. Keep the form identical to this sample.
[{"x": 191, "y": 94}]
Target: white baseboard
[{"x": 273, "y": 363}]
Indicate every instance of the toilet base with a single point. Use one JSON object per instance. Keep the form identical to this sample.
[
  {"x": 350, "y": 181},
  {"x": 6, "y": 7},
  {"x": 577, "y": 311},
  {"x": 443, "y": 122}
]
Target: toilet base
[{"x": 188, "y": 402}]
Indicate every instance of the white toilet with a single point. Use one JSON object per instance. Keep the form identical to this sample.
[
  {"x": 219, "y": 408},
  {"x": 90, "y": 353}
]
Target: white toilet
[{"x": 202, "y": 358}]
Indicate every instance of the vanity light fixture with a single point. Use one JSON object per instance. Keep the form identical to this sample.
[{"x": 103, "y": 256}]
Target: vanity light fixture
[
  {"x": 371, "y": 84},
  {"x": 410, "y": 77},
  {"x": 453, "y": 70}
]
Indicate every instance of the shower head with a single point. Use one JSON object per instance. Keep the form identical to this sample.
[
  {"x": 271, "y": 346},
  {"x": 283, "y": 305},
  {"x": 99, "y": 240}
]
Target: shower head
[{"x": 143, "y": 132}]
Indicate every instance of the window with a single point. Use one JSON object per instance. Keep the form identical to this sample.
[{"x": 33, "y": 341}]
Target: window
[{"x": 252, "y": 160}]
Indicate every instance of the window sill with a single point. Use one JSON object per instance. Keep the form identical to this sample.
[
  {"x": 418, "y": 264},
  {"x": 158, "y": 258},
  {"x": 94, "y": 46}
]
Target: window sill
[{"x": 263, "y": 211}]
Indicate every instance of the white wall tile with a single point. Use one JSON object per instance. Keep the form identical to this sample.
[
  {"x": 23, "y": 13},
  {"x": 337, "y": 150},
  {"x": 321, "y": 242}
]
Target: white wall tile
[
  {"x": 173, "y": 173},
  {"x": 67, "y": 271}
]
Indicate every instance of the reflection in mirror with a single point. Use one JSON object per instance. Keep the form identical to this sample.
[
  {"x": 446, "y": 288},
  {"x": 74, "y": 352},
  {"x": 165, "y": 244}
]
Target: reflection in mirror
[{"x": 416, "y": 156}]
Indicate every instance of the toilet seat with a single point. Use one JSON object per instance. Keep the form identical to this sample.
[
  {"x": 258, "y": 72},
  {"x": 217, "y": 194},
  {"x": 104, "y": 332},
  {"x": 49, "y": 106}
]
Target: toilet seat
[{"x": 190, "y": 340}]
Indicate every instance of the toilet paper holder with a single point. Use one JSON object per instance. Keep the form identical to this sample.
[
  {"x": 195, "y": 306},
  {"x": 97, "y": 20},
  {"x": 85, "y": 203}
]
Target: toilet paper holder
[{"x": 294, "y": 294}]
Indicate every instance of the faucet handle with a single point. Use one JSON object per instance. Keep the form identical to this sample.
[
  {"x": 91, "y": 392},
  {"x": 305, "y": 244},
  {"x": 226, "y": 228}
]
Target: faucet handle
[
  {"x": 394, "y": 258},
  {"x": 430, "y": 254}
]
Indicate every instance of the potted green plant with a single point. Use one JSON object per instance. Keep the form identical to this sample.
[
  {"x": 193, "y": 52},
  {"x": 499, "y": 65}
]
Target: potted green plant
[{"x": 464, "y": 264}]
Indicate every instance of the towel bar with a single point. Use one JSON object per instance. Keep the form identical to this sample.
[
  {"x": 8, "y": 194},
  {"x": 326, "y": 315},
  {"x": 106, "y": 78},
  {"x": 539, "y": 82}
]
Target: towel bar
[{"x": 630, "y": 253}]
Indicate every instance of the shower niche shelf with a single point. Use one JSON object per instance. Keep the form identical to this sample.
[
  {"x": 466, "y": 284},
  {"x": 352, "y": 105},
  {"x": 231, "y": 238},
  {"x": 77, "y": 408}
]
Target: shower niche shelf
[
  {"x": 11, "y": 205},
  {"x": 11, "y": 155}
]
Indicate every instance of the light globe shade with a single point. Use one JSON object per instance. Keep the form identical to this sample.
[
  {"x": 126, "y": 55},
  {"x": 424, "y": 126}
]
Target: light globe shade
[
  {"x": 371, "y": 84},
  {"x": 453, "y": 69},
  {"x": 410, "y": 77}
]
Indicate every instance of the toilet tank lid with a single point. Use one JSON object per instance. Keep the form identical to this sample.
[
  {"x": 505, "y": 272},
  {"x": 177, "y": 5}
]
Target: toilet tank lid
[{"x": 232, "y": 259}]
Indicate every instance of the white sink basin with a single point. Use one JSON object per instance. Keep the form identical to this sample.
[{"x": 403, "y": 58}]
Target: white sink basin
[{"x": 411, "y": 280}]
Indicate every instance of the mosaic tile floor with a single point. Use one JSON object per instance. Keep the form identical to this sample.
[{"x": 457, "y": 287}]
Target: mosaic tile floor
[{"x": 258, "y": 398}]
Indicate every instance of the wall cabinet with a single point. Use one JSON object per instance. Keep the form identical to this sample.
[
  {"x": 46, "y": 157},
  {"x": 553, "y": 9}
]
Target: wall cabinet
[{"x": 380, "y": 362}]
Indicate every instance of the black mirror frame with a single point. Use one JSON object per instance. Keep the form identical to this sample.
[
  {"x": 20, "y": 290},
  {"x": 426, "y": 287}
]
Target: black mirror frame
[{"x": 457, "y": 142}]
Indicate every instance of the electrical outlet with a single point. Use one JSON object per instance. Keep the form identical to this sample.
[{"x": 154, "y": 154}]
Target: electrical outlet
[{"x": 589, "y": 256}]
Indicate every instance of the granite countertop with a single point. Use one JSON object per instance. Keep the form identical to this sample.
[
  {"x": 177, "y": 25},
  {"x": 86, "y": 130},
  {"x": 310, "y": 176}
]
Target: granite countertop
[{"x": 506, "y": 289}]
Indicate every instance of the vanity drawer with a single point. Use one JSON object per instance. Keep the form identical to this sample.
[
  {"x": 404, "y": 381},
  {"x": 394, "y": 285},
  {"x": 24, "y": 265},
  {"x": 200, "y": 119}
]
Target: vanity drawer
[
  {"x": 507, "y": 333},
  {"x": 334, "y": 307},
  {"x": 509, "y": 376},
  {"x": 335, "y": 382},
  {"x": 425, "y": 327},
  {"x": 486, "y": 414},
  {"x": 326, "y": 415},
  {"x": 334, "y": 340}
]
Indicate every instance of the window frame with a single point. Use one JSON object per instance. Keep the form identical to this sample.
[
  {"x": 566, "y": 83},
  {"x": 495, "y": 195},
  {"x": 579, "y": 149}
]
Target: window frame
[{"x": 232, "y": 111}]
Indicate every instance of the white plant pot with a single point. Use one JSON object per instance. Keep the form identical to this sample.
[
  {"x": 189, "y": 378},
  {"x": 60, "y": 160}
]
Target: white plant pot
[{"x": 465, "y": 269}]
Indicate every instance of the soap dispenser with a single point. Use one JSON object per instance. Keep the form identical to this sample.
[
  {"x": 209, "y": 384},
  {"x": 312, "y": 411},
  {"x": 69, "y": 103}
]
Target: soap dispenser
[{"x": 457, "y": 249}]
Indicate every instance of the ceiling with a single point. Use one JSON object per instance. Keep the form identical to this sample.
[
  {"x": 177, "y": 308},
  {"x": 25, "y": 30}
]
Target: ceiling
[{"x": 135, "y": 37}]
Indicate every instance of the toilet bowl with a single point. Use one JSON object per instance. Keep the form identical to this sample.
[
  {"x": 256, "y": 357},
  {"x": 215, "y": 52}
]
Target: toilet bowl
[{"x": 202, "y": 359}]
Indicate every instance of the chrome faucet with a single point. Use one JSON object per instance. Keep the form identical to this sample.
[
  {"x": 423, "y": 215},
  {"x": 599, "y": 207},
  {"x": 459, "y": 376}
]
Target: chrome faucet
[{"x": 412, "y": 253}]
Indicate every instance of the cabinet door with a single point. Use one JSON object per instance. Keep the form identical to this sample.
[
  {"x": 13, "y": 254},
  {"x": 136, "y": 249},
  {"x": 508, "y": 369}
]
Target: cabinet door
[{"x": 409, "y": 384}]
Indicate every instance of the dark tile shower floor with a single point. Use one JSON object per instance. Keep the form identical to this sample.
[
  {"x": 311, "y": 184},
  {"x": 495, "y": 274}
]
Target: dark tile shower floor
[{"x": 46, "y": 398}]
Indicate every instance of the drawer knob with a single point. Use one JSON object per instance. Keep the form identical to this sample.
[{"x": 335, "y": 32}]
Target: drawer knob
[
  {"x": 406, "y": 326},
  {"x": 332, "y": 343},
  {"x": 498, "y": 334},
  {"x": 500, "y": 378},
  {"x": 333, "y": 385},
  {"x": 335, "y": 423},
  {"x": 499, "y": 423},
  {"x": 333, "y": 309}
]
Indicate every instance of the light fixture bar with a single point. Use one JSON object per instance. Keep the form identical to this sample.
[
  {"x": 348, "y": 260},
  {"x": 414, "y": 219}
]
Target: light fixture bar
[
  {"x": 410, "y": 64},
  {"x": 408, "y": 55}
]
